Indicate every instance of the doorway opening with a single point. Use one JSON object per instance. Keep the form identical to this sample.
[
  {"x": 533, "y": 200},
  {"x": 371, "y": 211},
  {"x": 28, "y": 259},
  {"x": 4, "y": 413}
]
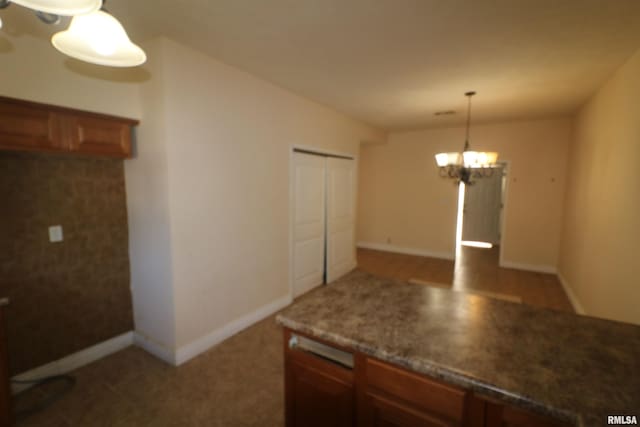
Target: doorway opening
[{"x": 480, "y": 221}]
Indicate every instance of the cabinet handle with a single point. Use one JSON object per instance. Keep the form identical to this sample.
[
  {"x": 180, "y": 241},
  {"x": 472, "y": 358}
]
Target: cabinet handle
[
  {"x": 293, "y": 342},
  {"x": 323, "y": 351}
]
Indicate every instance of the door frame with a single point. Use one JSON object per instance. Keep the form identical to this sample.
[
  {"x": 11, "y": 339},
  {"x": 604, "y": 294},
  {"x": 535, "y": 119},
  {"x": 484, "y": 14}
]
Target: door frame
[
  {"x": 503, "y": 213},
  {"x": 321, "y": 152}
]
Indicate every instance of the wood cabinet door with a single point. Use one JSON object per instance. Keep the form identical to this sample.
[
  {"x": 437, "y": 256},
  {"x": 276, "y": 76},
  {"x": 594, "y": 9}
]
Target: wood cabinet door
[
  {"x": 89, "y": 135},
  {"x": 387, "y": 412},
  {"x": 28, "y": 128},
  {"x": 319, "y": 399},
  {"x": 507, "y": 416},
  {"x": 411, "y": 399},
  {"x": 6, "y": 417}
]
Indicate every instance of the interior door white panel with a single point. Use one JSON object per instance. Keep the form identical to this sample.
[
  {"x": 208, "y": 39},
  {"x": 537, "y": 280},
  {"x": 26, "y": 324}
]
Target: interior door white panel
[
  {"x": 306, "y": 264},
  {"x": 309, "y": 192},
  {"x": 341, "y": 182},
  {"x": 482, "y": 206}
]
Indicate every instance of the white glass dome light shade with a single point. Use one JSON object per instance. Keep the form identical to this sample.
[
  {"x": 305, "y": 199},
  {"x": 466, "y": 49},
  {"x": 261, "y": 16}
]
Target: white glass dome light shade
[
  {"x": 61, "y": 7},
  {"x": 100, "y": 39}
]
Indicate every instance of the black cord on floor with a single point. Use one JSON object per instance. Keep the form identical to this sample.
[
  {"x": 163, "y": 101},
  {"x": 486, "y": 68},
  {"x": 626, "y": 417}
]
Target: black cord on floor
[{"x": 68, "y": 381}]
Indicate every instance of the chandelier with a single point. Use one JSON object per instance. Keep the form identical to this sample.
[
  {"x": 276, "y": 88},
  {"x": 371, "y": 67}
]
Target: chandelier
[
  {"x": 467, "y": 165},
  {"x": 93, "y": 36}
]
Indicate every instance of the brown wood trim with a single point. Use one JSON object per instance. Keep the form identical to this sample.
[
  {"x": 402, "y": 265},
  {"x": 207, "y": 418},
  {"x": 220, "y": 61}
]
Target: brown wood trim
[{"x": 60, "y": 109}]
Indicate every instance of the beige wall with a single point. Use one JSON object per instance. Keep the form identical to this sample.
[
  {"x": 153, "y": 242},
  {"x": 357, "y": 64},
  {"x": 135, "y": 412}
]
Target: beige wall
[
  {"x": 228, "y": 137},
  {"x": 402, "y": 198},
  {"x": 207, "y": 191},
  {"x": 599, "y": 256},
  {"x": 147, "y": 180}
]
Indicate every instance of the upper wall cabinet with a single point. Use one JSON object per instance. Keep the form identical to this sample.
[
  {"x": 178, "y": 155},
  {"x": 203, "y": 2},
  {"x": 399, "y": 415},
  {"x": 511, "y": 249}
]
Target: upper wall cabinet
[
  {"x": 90, "y": 135},
  {"x": 39, "y": 127},
  {"x": 23, "y": 127}
]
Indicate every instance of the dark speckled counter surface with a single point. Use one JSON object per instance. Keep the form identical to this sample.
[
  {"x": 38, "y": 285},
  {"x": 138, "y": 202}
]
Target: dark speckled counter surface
[{"x": 575, "y": 368}]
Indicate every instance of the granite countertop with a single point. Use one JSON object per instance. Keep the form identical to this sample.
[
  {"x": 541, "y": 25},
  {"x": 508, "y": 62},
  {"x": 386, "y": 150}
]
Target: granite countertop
[{"x": 575, "y": 368}]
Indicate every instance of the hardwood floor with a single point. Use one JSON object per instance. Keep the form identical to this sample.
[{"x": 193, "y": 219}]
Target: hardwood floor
[{"x": 474, "y": 269}]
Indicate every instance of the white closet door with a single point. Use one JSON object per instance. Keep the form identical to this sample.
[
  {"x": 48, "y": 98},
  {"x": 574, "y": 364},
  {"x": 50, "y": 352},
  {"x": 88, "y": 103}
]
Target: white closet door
[
  {"x": 309, "y": 222},
  {"x": 341, "y": 181}
]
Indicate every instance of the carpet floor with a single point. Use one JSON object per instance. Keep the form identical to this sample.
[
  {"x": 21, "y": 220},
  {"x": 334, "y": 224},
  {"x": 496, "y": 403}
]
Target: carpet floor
[{"x": 237, "y": 383}]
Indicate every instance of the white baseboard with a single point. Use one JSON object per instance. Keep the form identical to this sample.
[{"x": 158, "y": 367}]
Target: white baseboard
[
  {"x": 403, "y": 250},
  {"x": 74, "y": 361},
  {"x": 153, "y": 347},
  {"x": 572, "y": 297},
  {"x": 548, "y": 269},
  {"x": 189, "y": 351}
]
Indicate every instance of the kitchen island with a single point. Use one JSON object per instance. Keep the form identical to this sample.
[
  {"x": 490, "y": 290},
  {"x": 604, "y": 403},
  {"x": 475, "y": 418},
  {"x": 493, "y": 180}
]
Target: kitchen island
[{"x": 426, "y": 356}]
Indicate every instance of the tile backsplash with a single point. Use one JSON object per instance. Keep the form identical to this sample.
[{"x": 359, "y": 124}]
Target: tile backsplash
[{"x": 72, "y": 294}]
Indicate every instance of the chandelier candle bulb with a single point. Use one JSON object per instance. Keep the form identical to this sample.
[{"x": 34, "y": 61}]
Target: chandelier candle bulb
[{"x": 444, "y": 159}]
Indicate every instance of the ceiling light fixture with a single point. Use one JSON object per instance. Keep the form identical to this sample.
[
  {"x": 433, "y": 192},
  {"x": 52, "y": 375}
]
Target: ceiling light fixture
[
  {"x": 465, "y": 166},
  {"x": 93, "y": 36},
  {"x": 61, "y": 7},
  {"x": 3, "y": 4},
  {"x": 99, "y": 38}
]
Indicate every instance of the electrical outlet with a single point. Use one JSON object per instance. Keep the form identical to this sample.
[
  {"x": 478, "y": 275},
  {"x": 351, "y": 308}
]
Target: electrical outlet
[{"x": 55, "y": 234}]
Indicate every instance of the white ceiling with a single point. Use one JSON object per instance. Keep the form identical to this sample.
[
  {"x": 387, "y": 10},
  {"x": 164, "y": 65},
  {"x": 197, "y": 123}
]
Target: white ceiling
[{"x": 394, "y": 63}]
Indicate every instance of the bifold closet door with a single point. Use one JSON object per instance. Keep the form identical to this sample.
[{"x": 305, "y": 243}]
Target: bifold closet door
[
  {"x": 341, "y": 190},
  {"x": 309, "y": 192}
]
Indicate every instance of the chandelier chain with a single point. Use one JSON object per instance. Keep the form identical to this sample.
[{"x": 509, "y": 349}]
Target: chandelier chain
[{"x": 466, "y": 142}]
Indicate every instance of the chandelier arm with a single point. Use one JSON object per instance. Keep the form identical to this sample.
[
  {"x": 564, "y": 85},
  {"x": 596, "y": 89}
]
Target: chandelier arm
[
  {"x": 485, "y": 172},
  {"x": 465, "y": 176},
  {"x": 48, "y": 18},
  {"x": 453, "y": 173}
]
